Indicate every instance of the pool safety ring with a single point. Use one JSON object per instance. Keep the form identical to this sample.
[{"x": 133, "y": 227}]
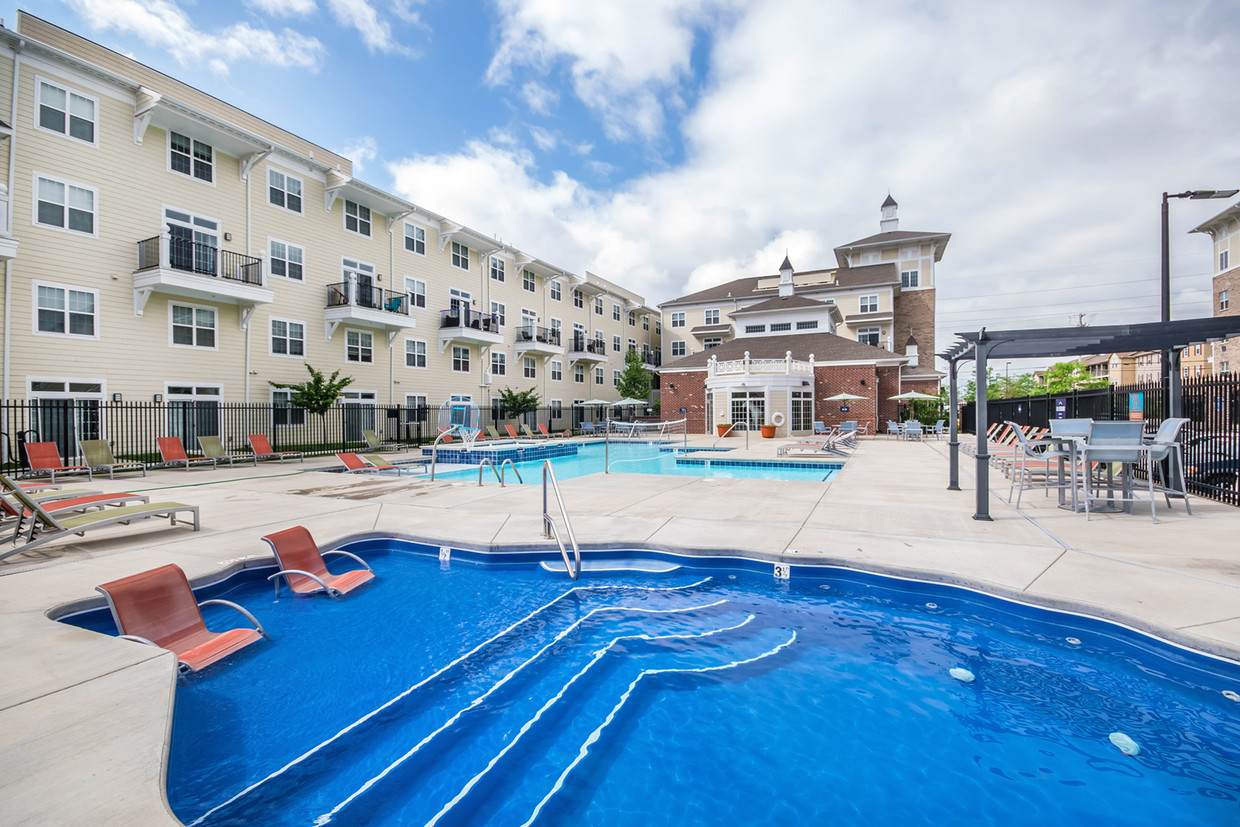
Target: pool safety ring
[{"x": 777, "y": 418}]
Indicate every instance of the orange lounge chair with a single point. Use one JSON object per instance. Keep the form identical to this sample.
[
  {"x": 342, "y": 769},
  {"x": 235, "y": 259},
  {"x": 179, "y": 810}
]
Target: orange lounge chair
[
  {"x": 512, "y": 432},
  {"x": 353, "y": 464},
  {"x": 44, "y": 458},
  {"x": 158, "y": 608},
  {"x": 71, "y": 504},
  {"x": 546, "y": 433},
  {"x": 263, "y": 450},
  {"x": 301, "y": 564},
  {"x": 172, "y": 452}
]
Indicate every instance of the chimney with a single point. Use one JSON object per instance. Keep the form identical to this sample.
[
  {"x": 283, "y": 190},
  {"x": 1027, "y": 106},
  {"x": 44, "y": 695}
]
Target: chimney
[
  {"x": 785, "y": 279},
  {"x": 890, "y": 222}
]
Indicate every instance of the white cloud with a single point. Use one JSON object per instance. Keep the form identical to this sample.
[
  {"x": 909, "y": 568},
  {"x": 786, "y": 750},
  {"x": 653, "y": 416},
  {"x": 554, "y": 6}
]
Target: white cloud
[
  {"x": 375, "y": 31},
  {"x": 539, "y": 98},
  {"x": 1041, "y": 140},
  {"x": 361, "y": 151},
  {"x": 544, "y": 139},
  {"x": 163, "y": 24},
  {"x": 284, "y": 8}
]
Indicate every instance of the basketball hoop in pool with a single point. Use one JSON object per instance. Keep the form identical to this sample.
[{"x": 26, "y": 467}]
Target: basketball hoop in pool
[{"x": 460, "y": 417}]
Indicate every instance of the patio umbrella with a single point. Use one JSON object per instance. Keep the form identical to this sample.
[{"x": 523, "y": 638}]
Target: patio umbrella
[
  {"x": 629, "y": 401},
  {"x": 911, "y": 395},
  {"x": 845, "y": 397},
  {"x": 591, "y": 402}
]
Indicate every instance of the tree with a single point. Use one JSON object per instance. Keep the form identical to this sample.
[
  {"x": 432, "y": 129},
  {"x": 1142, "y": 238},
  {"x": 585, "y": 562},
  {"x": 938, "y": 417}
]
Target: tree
[
  {"x": 517, "y": 403},
  {"x": 318, "y": 393},
  {"x": 1063, "y": 377},
  {"x": 634, "y": 379}
]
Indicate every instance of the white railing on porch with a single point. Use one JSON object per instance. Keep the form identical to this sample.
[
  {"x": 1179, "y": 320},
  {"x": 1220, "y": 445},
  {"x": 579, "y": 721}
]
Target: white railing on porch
[{"x": 748, "y": 366}]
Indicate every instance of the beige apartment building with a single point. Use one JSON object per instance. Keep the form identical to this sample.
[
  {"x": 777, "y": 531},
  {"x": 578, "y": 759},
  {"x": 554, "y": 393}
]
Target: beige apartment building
[
  {"x": 162, "y": 245},
  {"x": 1224, "y": 230}
]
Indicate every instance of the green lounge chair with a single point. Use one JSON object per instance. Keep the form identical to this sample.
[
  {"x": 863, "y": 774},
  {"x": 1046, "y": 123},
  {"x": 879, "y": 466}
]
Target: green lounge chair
[
  {"x": 373, "y": 442},
  {"x": 44, "y": 528},
  {"x": 494, "y": 433},
  {"x": 99, "y": 458},
  {"x": 213, "y": 448}
]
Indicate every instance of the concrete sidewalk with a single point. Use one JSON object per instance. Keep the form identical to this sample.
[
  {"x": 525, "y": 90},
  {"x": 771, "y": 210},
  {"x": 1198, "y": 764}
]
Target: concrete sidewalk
[{"x": 84, "y": 719}]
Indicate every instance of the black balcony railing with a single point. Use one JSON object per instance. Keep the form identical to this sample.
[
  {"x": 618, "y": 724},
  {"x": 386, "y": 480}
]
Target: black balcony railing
[
  {"x": 583, "y": 345},
  {"x": 202, "y": 259},
  {"x": 546, "y": 335},
  {"x": 467, "y": 317},
  {"x": 351, "y": 294},
  {"x": 652, "y": 358}
]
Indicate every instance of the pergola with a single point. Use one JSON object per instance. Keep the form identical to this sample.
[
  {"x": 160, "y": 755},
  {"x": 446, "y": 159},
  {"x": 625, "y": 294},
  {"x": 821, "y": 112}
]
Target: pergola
[{"x": 1068, "y": 342}]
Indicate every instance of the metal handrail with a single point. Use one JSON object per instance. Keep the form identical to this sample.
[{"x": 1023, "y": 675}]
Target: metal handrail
[
  {"x": 513, "y": 465},
  {"x": 435, "y": 449},
  {"x": 485, "y": 462},
  {"x": 722, "y": 436},
  {"x": 549, "y": 529}
]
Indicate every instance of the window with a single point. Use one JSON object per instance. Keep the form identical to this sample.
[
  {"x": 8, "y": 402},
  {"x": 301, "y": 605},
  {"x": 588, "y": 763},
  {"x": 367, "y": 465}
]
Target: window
[
  {"x": 557, "y": 371},
  {"x": 711, "y": 341},
  {"x": 615, "y": 344},
  {"x": 645, "y": 322},
  {"x": 556, "y": 291},
  {"x": 460, "y": 256},
  {"x": 193, "y": 326},
  {"x": 802, "y": 414},
  {"x": 497, "y": 269},
  {"x": 579, "y": 299},
  {"x": 632, "y": 344},
  {"x": 678, "y": 319},
  {"x": 283, "y": 190},
  {"x": 557, "y": 409},
  {"x": 190, "y": 157},
  {"x": 869, "y": 304},
  {"x": 498, "y": 310},
  {"x": 361, "y": 276},
  {"x": 1223, "y": 260},
  {"x": 528, "y": 368},
  {"x": 283, "y": 413},
  {"x": 356, "y": 218},
  {"x": 811, "y": 325},
  {"x": 632, "y": 319},
  {"x": 1224, "y": 367},
  {"x": 556, "y": 324},
  {"x": 598, "y": 305},
  {"x": 416, "y": 288},
  {"x": 755, "y": 328},
  {"x": 193, "y": 242},
  {"x": 869, "y": 335},
  {"x": 527, "y": 281},
  {"x": 499, "y": 364},
  {"x": 1224, "y": 299},
  {"x": 600, "y": 343},
  {"x": 908, "y": 278},
  {"x": 615, "y": 312},
  {"x": 910, "y": 252},
  {"x": 712, "y": 317},
  {"x": 64, "y": 205},
  {"x": 359, "y": 346},
  {"x": 415, "y": 353},
  {"x": 65, "y": 111},
  {"x": 615, "y": 378},
  {"x": 460, "y": 359},
  {"x": 658, "y": 328},
  {"x": 678, "y": 348},
  {"x": 579, "y": 374},
  {"x": 288, "y": 338},
  {"x": 779, "y": 327},
  {"x": 287, "y": 260},
  {"x": 415, "y": 239},
  {"x": 598, "y": 376},
  {"x": 65, "y": 310},
  {"x": 415, "y": 409}
]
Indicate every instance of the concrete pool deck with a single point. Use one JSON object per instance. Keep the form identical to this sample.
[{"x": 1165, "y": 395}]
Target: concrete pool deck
[{"x": 84, "y": 719}]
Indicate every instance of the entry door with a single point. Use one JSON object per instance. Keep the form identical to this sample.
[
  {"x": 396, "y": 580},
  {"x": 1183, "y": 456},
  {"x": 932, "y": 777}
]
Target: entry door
[
  {"x": 359, "y": 414},
  {"x": 193, "y": 411},
  {"x": 65, "y": 412},
  {"x": 193, "y": 241}
]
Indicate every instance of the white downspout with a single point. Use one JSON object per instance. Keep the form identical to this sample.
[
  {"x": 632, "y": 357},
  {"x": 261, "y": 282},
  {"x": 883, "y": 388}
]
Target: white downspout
[
  {"x": 249, "y": 209},
  {"x": 8, "y": 265},
  {"x": 391, "y": 345}
]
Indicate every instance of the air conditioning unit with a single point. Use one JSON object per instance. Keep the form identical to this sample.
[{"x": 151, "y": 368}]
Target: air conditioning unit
[{"x": 486, "y": 377}]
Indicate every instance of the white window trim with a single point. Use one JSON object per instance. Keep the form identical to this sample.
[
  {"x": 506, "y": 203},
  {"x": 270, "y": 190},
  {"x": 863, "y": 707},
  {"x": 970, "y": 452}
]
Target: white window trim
[
  {"x": 344, "y": 218},
  {"x": 529, "y": 367},
  {"x": 552, "y": 294},
  {"x": 502, "y": 269},
  {"x": 196, "y": 307},
  {"x": 100, "y": 395},
  {"x": 404, "y": 235},
  {"x": 426, "y": 354},
  {"x": 34, "y": 205},
  {"x": 552, "y": 370},
  {"x": 304, "y": 265},
  {"x": 305, "y": 354},
  {"x": 35, "y": 284},
  {"x": 215, "y": 167},
  {"x": 369, "y": 333},
  {"x": 267, "y": 184},
  {"x": 684, "y": 347},
  {"x": 424, "y": 293},
  {"x": 68, "y": 90},
  {"x": 533, "y": 281},
  {"x": 469, "y": 357},
  {"x": 706, "y": 316},
  {"x": 868, "y": 299},
  {"x": 271, "y": 399},
  {"x": 452, "y": 253}
]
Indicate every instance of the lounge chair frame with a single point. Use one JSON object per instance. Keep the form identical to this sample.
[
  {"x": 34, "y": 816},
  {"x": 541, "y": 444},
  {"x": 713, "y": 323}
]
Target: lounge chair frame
[
  {"x": 39, "y": 454},
  {"x": 102, "y": 451},
  {"x": 262, "y": 450}
]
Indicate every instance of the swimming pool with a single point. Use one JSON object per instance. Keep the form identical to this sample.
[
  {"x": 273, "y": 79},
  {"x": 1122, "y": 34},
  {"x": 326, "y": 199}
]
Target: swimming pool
[
  {"x": 464, "y": 692},
  {"x": 648, "y": 458}
]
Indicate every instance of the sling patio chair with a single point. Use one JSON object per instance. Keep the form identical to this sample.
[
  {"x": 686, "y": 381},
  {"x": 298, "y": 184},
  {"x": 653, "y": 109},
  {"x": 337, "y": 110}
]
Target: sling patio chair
[
  {"x": 44, "y": 458},
  {"x": 213, "y": 448},
  {"x": 263, "y": 450},
  {"x": 98, "y": 455},
  {"x": 373, "y": 443},
  {"x": 525, "y": 429},
  {"x": 820, "y": 428},
  {"x": 835, "y": 445},
  {"x": 158, "y": 608},
  {"x": 172, "y": 452},
  {"x": 363, "y": 463},
  {"x": 68, "y": 505},
  {"x": 44, "y": 527},
  {"x": 547, "y": 433},
  {"x": 512, "y": 432},
  {"x": 1031, "y": 467},
  {"x": 301, "y": 565},
  {"x": 494, "y": 433}
]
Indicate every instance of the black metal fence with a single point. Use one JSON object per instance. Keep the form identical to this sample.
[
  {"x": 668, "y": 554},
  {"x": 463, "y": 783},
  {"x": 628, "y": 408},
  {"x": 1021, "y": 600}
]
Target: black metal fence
[{"x": 1211, "y": 439}]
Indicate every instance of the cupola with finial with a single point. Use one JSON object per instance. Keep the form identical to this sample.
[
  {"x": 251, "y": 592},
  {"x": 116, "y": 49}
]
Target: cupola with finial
[
  {"x": 890, "y": 222},
  {"x": 785, "y": 279}
]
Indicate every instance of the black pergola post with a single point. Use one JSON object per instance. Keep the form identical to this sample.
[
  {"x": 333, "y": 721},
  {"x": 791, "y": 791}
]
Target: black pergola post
[
  {"x": 953, "y": 433},
  {"x": 983, "y": 458}
]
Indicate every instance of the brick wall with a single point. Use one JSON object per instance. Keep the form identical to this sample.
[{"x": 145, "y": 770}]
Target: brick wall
[
  {"x": 855, "y": 379},
  {"x": 684, "y": 390},
  {"x": 914, "y": 311}
]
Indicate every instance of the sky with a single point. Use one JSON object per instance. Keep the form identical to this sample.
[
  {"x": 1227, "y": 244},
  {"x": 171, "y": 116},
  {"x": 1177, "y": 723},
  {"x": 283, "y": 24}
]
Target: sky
[{"x": 669, "y": 145}]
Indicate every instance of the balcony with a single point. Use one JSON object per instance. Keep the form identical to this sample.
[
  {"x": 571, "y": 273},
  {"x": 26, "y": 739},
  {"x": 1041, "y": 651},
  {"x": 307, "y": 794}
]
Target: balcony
[
  {"x": 8, "y": 244},
  {"x": 194, "y": 270},
  {"x": 582, "y": 349},
  {"x": 359, "y": 304},
  {"x": 539, "y": 340},
  {"x": 652, "y": 358},
  {"x": 464, "y": 325}
]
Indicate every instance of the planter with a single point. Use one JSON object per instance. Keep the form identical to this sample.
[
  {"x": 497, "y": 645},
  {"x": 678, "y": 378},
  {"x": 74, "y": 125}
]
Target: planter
[
  {"x": 768, "y": 431},
  {"x": 723, "y": 428}
]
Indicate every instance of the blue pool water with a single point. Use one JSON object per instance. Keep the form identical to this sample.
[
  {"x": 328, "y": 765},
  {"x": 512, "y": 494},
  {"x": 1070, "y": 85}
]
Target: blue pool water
[
  {"x": 645, "y": 458},
  {"x": 500, "y": 693}
]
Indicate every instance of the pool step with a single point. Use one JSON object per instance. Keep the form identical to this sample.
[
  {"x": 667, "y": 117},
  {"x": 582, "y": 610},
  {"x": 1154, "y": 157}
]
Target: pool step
[{"x": 599, "y": 565}]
